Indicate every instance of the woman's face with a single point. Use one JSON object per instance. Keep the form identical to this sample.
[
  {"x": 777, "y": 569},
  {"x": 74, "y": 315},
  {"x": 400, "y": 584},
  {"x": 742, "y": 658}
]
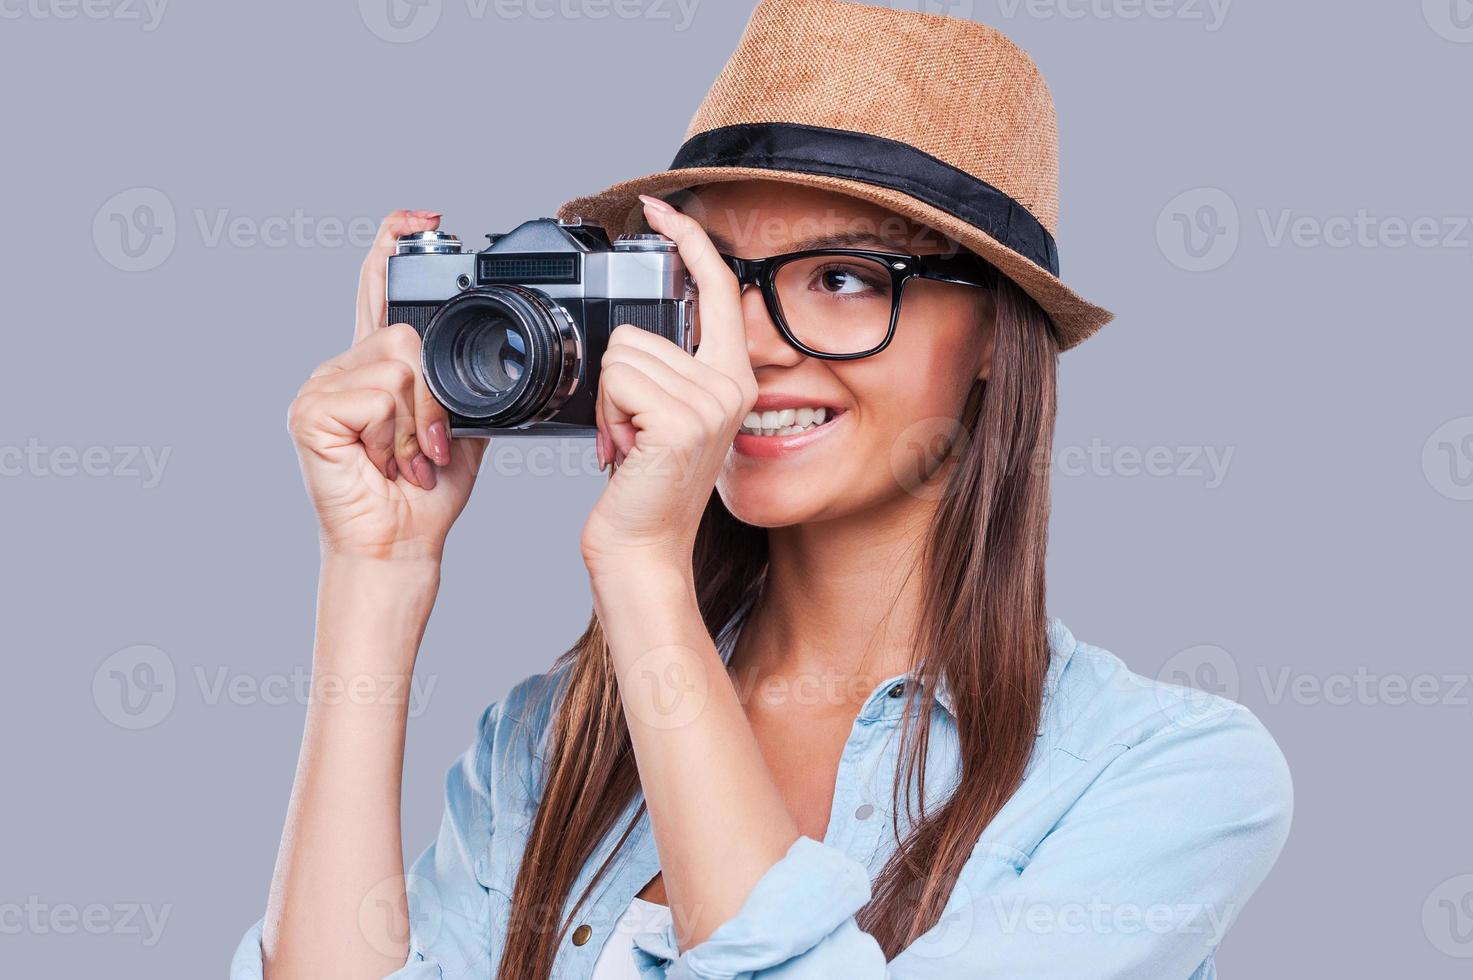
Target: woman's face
[{"x": 885, "y": 412}]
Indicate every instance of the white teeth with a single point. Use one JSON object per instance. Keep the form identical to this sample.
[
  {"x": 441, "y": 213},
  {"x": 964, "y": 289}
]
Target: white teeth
[{"x": 784, "y": 422}]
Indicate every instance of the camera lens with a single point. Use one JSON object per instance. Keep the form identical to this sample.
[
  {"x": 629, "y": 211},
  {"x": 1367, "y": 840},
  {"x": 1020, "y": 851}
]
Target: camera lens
[
  {"x": 501, "y": 355},
  {"x": 492, "y": 357}
]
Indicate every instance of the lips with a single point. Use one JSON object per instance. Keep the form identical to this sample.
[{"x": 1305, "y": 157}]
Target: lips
[
  {"x": 786, "y": 421},
  {"x": 771, "y": 442}
]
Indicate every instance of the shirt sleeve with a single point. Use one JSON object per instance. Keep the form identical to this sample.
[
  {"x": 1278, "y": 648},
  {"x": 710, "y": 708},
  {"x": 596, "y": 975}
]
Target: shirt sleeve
[
  {"x": 1140, "y": 878},
  {"x": 449, "y": 908}
]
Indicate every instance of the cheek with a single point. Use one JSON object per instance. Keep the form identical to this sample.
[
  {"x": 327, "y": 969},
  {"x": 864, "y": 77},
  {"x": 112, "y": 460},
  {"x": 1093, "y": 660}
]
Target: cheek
[
  {"x": 904, "y": 401},
  {"x": 924, "y": 374}
]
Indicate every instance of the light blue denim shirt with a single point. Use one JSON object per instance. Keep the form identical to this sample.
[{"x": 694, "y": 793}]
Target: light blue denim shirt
[{"x": 1148, "y": 815}]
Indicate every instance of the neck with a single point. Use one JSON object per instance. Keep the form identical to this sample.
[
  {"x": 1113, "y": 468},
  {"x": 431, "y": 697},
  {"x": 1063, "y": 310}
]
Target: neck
[{"x": 841, "y": 601}]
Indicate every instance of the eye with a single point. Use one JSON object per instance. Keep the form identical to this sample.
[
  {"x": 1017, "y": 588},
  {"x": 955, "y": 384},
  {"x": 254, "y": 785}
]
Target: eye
[{"x": 849, "y": 280}]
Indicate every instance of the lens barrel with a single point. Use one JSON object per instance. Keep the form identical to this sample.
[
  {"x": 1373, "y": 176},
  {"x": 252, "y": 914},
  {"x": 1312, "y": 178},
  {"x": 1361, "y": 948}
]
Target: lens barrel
[{"x": 502, "y": 355}]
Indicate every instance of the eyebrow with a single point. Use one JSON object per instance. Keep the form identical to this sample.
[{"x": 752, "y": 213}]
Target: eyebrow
[{"x": 859, "y": 239}]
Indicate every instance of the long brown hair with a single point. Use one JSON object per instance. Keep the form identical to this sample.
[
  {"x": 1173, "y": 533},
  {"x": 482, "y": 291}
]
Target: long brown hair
[{"x": 982, "y": 627}]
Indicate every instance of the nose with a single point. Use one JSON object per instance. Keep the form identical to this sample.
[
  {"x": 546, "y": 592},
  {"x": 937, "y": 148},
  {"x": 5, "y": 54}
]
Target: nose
[{"x": 765, "y": 343}]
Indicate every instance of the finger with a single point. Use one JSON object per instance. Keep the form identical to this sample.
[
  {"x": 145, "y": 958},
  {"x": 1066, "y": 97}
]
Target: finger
[
  {"x": 332, "y": 419},
  {"x": 608, "y": 421},
  {"x": 397, "y": 378},
  {"x": 635, "y": 402},
  {"x": 373, "y": 276},
  {"x": 723, "y": 332},
  {"x": 627, "y": 334},
  {"x": 686, "y": 390},
  {"x": 731, "y": 392},
  {"x": 431, "y": 420},
  {"x": 600, "y": 439},
  {"x": 399, "y": 341}
]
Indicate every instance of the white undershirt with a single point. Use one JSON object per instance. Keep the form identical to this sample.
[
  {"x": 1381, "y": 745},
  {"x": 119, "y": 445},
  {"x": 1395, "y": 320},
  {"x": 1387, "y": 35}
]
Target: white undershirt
[{"x": 616, "y": 961}]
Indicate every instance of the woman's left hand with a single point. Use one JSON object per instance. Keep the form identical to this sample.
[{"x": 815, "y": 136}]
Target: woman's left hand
[{"x": 666, "y": 418}]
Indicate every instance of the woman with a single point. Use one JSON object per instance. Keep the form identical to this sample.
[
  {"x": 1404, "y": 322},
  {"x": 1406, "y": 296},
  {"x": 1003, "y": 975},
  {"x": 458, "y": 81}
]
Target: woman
[{"x": 820, "y": 724}]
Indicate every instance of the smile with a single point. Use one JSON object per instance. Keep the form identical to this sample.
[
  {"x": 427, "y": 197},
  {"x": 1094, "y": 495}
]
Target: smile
[
  {"x": 778, "y": 432},
  {"x": 787, "y": 421}
]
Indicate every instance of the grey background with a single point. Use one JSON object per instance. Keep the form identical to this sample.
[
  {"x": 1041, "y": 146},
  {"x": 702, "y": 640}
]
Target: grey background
[{"x": 1336, "y": 541}]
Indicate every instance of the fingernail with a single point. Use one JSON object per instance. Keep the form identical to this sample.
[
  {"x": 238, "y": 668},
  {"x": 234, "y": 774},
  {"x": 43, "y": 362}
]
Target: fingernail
[
  {"x": 439, "y": 445},
  {"x": 393, "y": 470},
  {"x": 424, "y": 473},
  {"x": 657, "y": 204}
]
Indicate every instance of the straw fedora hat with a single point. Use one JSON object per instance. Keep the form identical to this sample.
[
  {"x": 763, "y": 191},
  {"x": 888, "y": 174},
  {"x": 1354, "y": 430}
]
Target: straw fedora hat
[{"x": 941, "y": 120}]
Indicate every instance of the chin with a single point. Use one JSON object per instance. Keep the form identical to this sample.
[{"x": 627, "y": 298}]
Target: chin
[{"x": 773, "y": 496}]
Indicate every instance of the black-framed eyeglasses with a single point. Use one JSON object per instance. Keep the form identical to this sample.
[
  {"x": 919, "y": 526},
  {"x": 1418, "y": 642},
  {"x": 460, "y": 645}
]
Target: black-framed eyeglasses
[{"x": 840, "y": 304}]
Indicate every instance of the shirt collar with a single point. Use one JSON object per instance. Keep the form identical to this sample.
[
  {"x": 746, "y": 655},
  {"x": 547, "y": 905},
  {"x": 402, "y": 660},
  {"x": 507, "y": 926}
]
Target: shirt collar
[{"x": 1061, "y": 645}]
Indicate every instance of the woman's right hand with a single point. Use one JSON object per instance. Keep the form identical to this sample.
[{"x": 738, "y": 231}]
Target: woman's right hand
[{"x": 383, "y": 473}]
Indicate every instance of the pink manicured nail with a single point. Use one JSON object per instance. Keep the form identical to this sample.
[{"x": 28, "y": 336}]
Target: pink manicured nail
[
  {"x": 657, "y": 204},
  {"x": 424, "y": 473},
  {"x": 439, "y": 445}
]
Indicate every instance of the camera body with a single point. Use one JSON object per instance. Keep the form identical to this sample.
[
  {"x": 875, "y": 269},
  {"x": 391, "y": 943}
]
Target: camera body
[{"x": 512, "y": 336}]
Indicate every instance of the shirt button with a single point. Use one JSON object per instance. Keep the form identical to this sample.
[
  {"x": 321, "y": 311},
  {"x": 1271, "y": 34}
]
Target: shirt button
[
  {"x": 582, "y": 934},
  {"x": 897, "y": 690},
  {"x": 864, "y": 812}
]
